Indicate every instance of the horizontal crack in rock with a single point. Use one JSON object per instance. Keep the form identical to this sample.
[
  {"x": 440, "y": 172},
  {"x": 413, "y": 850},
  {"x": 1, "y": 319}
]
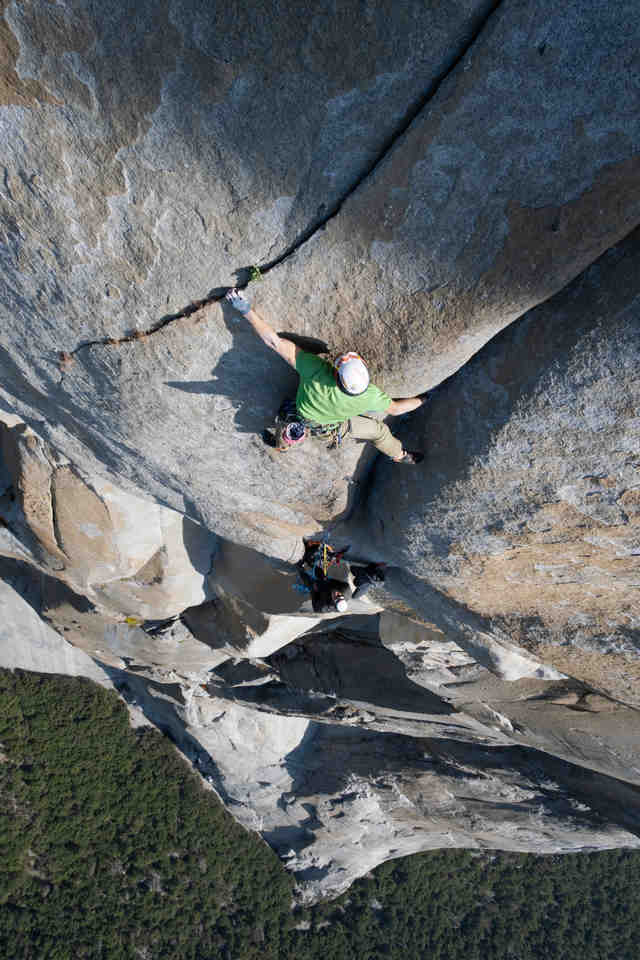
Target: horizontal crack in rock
[{"x": 66, "y": 359}]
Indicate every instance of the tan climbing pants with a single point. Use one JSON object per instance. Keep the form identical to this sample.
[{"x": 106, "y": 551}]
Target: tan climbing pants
[{"x": 368, "y": 428}]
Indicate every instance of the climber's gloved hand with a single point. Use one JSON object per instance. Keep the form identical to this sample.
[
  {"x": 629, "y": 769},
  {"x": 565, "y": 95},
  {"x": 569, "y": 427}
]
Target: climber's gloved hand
[{"x": 237, "y": 301}]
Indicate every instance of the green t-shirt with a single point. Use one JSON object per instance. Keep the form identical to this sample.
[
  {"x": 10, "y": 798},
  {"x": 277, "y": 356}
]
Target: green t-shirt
[{"x": 319, "y": 398}]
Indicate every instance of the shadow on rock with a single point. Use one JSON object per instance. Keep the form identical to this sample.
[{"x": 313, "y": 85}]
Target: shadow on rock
[
  {"x": 343, "y": 666},
  {"x": 199, "y": 544},
  {"x": 253, "y": 378},
  {"x": 330, "y": 759}
]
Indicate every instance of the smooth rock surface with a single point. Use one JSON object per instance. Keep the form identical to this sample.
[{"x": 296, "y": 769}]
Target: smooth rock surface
[
  {"x": 27, "y": 643},
  {"x": 165, "y": 652},
  {"x": 129, "y": 556},
  {"x": 349, "y": 676},
  {"x": 520, "y": 171},
  {"x": 151, "y": 157}
]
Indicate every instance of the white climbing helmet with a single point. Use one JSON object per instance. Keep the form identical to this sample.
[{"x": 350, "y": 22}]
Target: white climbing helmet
[{"x": 352, "y": 373}]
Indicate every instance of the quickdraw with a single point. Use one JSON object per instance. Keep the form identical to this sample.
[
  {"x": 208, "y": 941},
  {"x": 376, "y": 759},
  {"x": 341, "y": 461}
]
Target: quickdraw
[
  {"x": 334, "y": 432},
  {"x": 319, "y": 556}
]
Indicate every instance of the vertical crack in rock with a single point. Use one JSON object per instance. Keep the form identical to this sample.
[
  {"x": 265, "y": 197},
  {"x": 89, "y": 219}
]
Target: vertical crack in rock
[
  {"x": 54, "y": 515},
  {"x": 65, "y": 358},
  {"x": 392, "y": 140}
]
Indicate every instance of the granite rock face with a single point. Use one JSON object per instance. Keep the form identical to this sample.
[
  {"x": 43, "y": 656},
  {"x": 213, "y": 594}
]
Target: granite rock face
[
  {"x": 446, "y": 188},
  {"x": 128, "y": 556},
  {"x": 149, "y": 159},
  {"x": 26, "y": 643},
  {"x": 525, "y": 512},
  {"x": 178, "y": 144},
  {"x": 340, "y": 766},
  {"x": 378, "y": 672},
  {"x": 522, "y": 168}
]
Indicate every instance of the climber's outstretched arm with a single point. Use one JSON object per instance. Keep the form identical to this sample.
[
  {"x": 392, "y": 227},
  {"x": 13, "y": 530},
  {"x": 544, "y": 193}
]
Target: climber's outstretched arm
[
  {"x": 265, "y": 331},
  {"x": 268, "y": 335},
  {"x": 396, "y": 407}
]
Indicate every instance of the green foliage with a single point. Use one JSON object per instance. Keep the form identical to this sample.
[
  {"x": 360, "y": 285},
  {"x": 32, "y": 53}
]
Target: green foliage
[
  {"x": 461, "y": 904},
  {"x": 109, "y": 844},
  {"x": 111, "y": 849},
  {"x": 255, "y": 274}
]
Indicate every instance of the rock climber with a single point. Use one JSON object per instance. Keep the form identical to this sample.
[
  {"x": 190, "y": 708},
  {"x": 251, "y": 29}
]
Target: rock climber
[
  {"x": 336, "y": 399},
  {"x": 328, "y": 594}
]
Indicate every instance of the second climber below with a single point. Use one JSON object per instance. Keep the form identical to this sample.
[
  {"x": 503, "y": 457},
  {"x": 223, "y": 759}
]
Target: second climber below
[{"x": 337, "y": 396}]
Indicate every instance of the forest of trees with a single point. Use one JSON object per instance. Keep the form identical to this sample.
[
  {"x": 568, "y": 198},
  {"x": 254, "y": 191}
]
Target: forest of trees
[{"x": 110, "y": 848}]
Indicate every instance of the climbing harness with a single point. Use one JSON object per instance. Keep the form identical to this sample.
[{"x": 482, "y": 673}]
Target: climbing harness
[
  {"x": 334, "y": 433},
  {"x": 319, "y": 556},
  {"x": 292, "y": 429}
]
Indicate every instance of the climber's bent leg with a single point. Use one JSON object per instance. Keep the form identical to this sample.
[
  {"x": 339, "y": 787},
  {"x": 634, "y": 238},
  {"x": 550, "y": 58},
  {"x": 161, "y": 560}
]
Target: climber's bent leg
[{"x": 368, "y": 428}]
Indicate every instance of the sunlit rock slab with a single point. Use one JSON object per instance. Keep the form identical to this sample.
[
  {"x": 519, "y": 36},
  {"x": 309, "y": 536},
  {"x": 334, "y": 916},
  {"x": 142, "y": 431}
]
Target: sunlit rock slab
[{"x": 28, "y": 643}]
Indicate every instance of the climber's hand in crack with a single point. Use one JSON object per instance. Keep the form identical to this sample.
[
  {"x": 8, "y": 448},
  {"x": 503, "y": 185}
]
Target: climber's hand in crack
[
  {"x": 267, "y": 334},
  {"x": 237, "y": 301}
]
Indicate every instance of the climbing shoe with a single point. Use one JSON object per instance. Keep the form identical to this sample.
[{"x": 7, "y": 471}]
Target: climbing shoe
[
  {"x": 410, "y": 458},
  {"x": 365, "y": 577}
]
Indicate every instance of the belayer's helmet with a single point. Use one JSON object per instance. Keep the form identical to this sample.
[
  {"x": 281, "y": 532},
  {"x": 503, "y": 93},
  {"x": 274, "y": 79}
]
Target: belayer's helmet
[
  {"x": 339, "y": 602},
  {"x": 353, "y": 376}
]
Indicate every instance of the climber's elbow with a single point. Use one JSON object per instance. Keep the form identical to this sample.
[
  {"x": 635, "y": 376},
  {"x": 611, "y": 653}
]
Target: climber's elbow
[
  {"x": 287, "y": 350},
  {"x": 272, "y": 340}
]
